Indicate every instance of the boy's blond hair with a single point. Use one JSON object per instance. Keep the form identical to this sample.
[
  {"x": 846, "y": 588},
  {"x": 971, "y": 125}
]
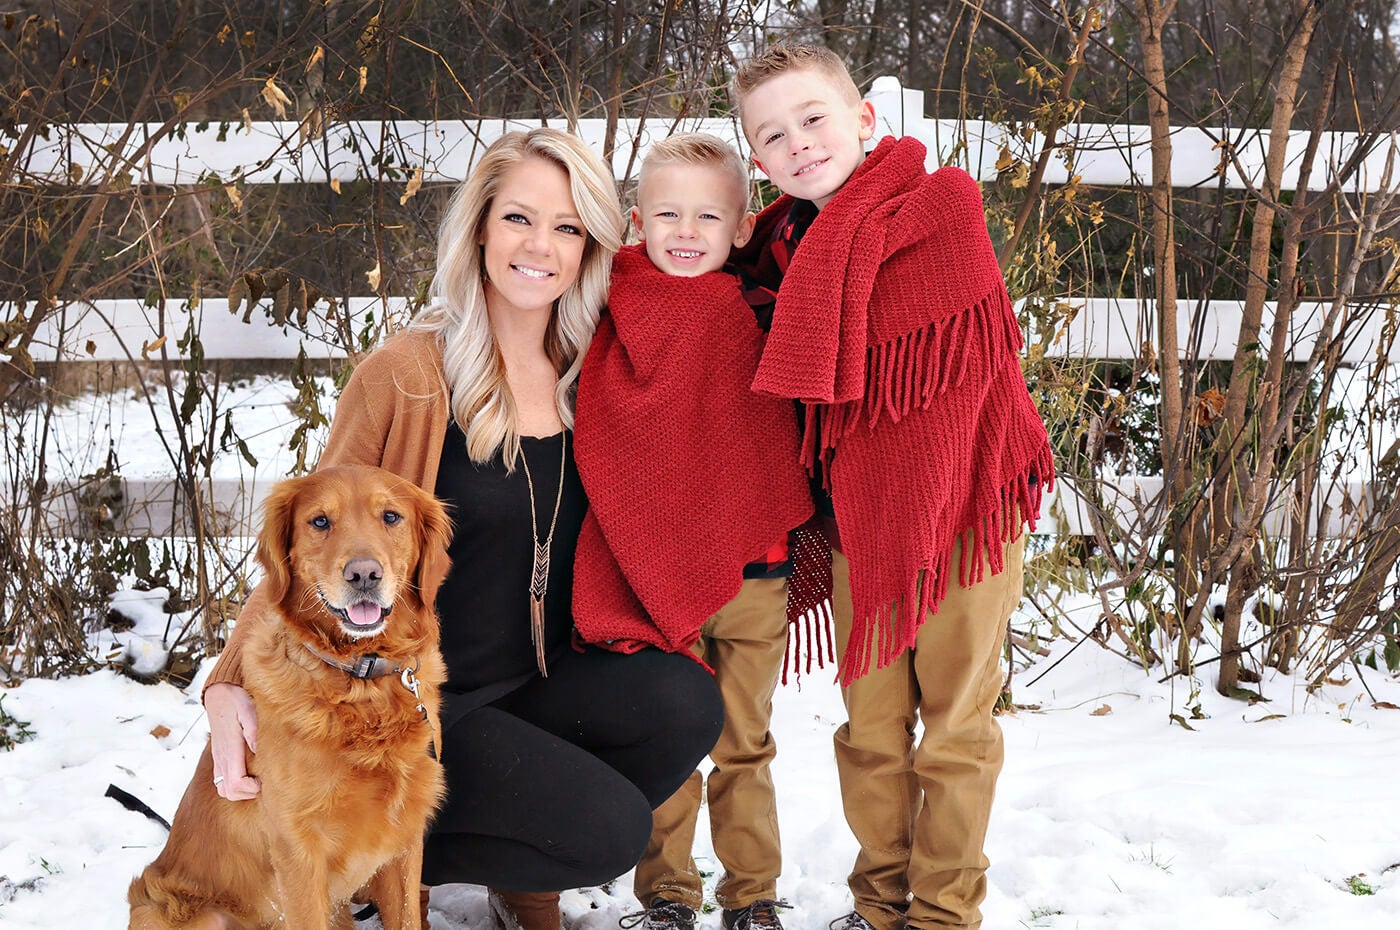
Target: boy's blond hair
[
  {"x": 779, "y": 59},
  {"x": 697, "y": 148}
]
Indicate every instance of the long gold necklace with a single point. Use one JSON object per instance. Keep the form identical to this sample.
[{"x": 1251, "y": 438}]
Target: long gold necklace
[{"x": 539, "y": 572}]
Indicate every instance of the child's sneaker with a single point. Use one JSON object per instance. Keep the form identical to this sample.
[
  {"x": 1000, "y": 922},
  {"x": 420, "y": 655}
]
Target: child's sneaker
[
  {"x": 851, "y": 921},
  {"x": 760, "y": 915},
  {"x": 660, "y": 915}
]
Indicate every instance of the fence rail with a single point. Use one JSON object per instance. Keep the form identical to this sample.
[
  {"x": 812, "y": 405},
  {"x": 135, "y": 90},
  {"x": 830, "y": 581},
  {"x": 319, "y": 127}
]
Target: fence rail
[
  {"x": 158, "y": 506},
  {"x": 281, "y": 152},
  {"x": 444, "y": 151},
  {"x": 1098, "y": 328}
]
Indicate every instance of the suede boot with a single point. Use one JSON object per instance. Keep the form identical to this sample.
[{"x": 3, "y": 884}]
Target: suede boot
[{"x": 526, "y": 910}]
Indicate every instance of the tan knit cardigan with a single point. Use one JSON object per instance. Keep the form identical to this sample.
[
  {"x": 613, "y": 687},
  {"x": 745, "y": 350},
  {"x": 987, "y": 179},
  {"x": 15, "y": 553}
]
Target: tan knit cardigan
[{"x": 393, "y": 413}]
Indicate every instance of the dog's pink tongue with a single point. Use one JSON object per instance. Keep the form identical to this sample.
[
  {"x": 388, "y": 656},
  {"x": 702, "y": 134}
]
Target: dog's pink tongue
[{"x": 365, "y": 613}]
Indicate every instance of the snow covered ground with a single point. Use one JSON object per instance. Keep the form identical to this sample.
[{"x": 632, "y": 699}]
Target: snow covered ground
[{"x": 1110, "y": 816}]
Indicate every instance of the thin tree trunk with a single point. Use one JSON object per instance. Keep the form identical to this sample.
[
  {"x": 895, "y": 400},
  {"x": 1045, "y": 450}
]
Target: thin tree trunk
[
  {"x": 617, "y": 43},
  {"x": 833, "y": 23},
  {"x": 1032, "y": 198},
  {"x": 918, "y": 71},
  {"x": 1152, "y": 20},
  {"x": 1244, "y": 386},
  {"x": 1309, "y": 472}
]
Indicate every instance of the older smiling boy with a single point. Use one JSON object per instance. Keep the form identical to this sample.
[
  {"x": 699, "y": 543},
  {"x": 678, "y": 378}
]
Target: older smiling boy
[{"x": 891, "y": 324}]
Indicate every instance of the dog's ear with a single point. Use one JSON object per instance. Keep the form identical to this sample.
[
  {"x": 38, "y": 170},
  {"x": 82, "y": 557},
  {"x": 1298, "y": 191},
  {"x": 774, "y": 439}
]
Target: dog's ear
[
  {"x": 434, "y": 536},
  {"x": 275, "y": 539}
]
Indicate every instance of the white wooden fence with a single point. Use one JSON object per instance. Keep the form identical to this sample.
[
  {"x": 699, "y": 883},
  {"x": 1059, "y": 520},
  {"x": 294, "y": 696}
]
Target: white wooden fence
[{"x": 278, "y": 153}]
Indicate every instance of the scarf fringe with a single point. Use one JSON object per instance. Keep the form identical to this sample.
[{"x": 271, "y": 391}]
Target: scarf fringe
[
  {"x": 809, "y": 610},
  {"x": 912, "y": 370},
  {"x": 810, "y": 640},
  {"x": 888, "y": 630}
]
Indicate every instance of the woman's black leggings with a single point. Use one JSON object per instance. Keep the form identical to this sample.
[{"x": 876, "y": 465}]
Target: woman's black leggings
[{"x": 552, "y": 786}]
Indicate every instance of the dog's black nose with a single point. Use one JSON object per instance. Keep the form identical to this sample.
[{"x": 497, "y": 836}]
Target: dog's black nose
[{"x": 363, "y": 574}]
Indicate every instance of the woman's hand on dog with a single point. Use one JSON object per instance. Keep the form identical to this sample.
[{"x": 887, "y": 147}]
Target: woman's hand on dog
[{"x": 233, "y": 724}]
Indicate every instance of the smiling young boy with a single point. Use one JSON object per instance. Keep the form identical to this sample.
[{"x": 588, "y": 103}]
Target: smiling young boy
[
  {"x": 692, "y": 204},
  {"x": 695, "y": 484},
  {"x": 891, "y": 324}
]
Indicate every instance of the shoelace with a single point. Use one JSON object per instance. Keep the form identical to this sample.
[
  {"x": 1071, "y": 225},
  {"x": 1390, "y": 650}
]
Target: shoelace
[
  {"x": 851, "y": 921},
  {"x": 762, "y": 913},
  {"x": 669, "y": 914}
]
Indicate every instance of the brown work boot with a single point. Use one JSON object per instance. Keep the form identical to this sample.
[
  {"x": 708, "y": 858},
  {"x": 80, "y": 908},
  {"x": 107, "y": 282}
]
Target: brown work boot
[
  {"x": 526, "y": 910},
  {"x": 660, "y": 914},
  {"x": 760, "y": 915}
]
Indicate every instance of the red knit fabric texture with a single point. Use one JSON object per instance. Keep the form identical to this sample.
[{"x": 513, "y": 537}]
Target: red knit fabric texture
[
  {"x": 894, "y": 325},
  {"x": 690, "y": 474}
]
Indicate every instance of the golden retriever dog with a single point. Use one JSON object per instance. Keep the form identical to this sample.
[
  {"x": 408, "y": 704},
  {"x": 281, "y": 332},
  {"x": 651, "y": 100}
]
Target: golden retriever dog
[{"x": 344, "y": 672}]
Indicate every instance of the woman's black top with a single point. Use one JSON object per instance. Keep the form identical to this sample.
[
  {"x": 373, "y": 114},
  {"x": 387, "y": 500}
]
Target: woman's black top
[{"x": 484, "y": 606}]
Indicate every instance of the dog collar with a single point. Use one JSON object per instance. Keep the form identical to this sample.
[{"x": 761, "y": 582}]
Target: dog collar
[
  {"x": 376, "y": 666},
  {"x": 365, "y": 666}
]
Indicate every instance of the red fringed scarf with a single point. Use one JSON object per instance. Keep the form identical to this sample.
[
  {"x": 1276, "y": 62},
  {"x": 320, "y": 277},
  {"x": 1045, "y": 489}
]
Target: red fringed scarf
[
  {"x": 690, "y": 474},
  {"x": 894, "y": 325}
]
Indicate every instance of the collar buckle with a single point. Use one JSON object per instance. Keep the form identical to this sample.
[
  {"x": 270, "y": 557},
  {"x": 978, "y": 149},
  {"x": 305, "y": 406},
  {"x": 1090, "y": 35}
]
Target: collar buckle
[{"x": 365, "y": 666}]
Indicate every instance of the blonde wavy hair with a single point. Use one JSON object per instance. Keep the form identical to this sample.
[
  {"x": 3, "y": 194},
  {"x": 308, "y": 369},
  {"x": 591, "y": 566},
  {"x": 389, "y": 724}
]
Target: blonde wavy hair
[{"x": 482, "y": 403}]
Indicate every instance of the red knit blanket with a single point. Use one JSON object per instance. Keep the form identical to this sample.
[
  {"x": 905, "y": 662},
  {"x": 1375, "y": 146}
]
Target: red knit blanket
[
  {"x": 894, "y": 324},
  {"x": 690, "y": 474}
]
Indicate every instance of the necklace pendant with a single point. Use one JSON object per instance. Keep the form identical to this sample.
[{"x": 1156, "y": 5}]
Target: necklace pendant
[
  {"x": 539, "y": 581},
  {"x": 539, "y": 574},
  {"x": 539, "y": 568}
]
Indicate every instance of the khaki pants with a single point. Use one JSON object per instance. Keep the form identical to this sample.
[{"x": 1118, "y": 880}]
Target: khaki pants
[
  {"x": 920, "y": 813},
  {"x": 744, "y": 644}
]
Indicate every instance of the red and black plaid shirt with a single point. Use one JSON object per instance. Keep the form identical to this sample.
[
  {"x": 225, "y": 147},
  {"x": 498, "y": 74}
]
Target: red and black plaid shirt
[
  {"x": 761, "y": 280},
  {"x": 759, "y": 283}
]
